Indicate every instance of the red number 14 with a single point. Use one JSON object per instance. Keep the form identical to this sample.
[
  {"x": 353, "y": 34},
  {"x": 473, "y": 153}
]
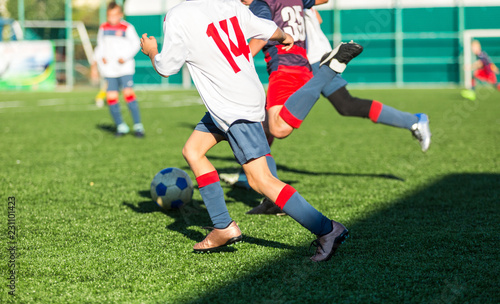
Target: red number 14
[{"x": 237, "y": 50}]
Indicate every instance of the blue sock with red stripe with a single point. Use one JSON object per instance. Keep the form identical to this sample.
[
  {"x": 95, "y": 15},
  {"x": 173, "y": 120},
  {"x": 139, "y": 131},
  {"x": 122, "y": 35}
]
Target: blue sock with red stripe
[
  {"x": 213, "y": 197},
  {"x": 301, "y": 102},
  {"x": 114, "y": 110},
  {"x": 381, "y": 113},
  {"x": 133, "y": 106},
  {"x": 290, "y": 201}
]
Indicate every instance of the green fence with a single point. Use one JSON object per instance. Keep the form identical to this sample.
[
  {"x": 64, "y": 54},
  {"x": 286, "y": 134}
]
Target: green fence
[{"x": 403, "y": 46}]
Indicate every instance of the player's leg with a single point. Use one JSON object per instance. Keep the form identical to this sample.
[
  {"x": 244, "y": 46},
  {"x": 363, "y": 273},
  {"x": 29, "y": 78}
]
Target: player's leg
[
  {"x": 249, "y": 146},
  {"x": 133, "y": 105},
  {"x": 478, "y": 75},
  {"x": 204, "y": 137},
  {"x": 492, "y": 79},
  {"x": 377, "y": 112},
  {"x": 114, "y": 106},
  {"x": 283, "y": 119}
]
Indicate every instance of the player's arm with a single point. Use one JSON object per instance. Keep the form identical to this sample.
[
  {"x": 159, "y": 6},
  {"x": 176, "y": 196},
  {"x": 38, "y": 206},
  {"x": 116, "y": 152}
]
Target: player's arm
[
  {"x": 318, "y": 16},
  {"x": 477, "y": 65},
  {"x": 283, "y": 38},
  {"x": 256, "y": 45},
  {"x": 149, "y": 46}
]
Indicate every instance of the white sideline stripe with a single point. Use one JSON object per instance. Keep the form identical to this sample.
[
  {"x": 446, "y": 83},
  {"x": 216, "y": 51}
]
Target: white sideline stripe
[
  {"x": 11, "y": 104},
  {"x": 62, "y": 105},
  {"x": 51, "y": 102}
]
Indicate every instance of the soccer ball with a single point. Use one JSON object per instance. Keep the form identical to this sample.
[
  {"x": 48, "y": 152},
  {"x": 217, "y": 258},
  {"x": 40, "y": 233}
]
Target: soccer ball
[{"x": 171, "y": 188}]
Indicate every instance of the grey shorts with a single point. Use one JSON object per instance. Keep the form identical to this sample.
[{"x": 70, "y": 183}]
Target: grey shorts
[
  {"x": 115, "y": 84},
  {"x": 247, "y": 139}
]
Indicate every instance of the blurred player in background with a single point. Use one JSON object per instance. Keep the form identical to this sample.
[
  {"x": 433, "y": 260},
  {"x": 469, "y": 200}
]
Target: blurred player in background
[
  {"x": 117, "y": 44},
  {"x": 484, "y": 70},
  {"x": 210, "y": 36}
]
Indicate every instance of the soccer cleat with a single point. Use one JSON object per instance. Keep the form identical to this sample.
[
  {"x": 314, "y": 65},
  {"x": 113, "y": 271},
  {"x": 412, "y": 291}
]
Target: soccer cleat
[
  {"x": 122, "y": 129},
  {"x": 229, "y": 178},
  {"x": 421, "y": 131},
  {"x": 266, "y": 207},
  {"x": 138, "y": 130},
  {"x": 328, "y": 243},
  {"x": 338, "y": 59},
  {"x": 219, "y": 238},
  {"x": 238, "y": 180},
  {"x": 469, "y": 94},
  {"x": 99, "y": 102}
]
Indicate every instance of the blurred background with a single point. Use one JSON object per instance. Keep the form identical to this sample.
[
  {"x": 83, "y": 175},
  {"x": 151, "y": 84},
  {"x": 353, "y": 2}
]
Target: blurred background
[{"x": 48, "y": 44}]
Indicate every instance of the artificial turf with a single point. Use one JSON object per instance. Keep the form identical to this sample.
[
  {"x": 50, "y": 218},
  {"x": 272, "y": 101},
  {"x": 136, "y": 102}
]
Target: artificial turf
[{"x": 424, "y": 227}]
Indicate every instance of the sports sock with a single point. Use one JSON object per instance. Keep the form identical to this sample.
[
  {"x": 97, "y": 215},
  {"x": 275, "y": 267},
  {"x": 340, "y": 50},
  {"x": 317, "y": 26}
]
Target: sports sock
[
  {"x": 213, "y": 197},
  {"x": 301, "y": 102},
  {"x": 114, "y": 109},
  {"x": 290, "y": 201},
  {"x": 133, "y": 106},
  {"x": 381, "y": 113}
]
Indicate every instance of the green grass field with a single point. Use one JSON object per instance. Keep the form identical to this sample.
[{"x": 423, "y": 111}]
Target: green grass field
[{"x": 424, "y": 227}]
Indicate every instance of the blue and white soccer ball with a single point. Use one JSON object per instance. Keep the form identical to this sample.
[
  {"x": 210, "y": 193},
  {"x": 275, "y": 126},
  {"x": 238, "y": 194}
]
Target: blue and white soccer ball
[{"x": 171, "y": 188}]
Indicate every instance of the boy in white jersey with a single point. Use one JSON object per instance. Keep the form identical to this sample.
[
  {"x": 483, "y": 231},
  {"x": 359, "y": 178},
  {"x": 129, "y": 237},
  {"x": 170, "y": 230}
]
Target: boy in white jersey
[
  {"x": 117, "y": 44},
  {"x": 211, "y": 37}
]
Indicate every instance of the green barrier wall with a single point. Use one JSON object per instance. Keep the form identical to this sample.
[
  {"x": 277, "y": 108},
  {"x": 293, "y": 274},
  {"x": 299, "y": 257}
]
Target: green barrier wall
[{"x": 402, "y": 46}]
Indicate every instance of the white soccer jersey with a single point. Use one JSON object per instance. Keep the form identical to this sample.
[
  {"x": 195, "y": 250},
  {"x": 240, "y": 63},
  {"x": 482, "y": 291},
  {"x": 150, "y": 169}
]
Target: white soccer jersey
[
  {"x": 211, "y": 37},
  {"x": 115, "y": 42},
  {"x": 317, "y": 42}
]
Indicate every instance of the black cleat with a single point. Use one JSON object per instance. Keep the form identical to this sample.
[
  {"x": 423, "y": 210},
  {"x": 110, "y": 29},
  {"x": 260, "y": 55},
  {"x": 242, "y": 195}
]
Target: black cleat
[
  {"x": 328, "y": 243},
  {"x": 338, "y": 59},
  {"x": 266, "y": 207},
  {"x": 139, "y": 134}
]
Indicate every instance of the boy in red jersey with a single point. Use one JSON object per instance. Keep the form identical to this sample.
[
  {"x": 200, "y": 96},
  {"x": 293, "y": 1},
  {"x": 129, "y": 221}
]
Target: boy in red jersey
[{"x": 484, "y": 70}]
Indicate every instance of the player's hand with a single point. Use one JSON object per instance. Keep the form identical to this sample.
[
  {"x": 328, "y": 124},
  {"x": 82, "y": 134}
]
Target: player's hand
[
  {"x": 121, "y": 61},
  {"x": 148, "y": 44},
  {"x": 288, "y": 42},
  {"x": 104, "y": 60}
]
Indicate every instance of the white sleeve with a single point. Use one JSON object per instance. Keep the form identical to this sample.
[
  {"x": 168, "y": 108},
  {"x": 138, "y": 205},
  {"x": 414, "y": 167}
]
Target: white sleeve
[
  {"x": 134, "y": 43},
  {"x": 255, "y": 27},
  {"x": 174, "y": 52}
]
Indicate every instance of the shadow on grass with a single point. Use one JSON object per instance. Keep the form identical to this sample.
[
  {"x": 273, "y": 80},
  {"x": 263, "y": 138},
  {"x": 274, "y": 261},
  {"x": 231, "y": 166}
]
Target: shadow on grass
[
  {"x": 306, "y": 172},
  {"x": 193, "y": 215},
  {"x": 109, "y": 128},
  {"x": 438, "y": 245}
]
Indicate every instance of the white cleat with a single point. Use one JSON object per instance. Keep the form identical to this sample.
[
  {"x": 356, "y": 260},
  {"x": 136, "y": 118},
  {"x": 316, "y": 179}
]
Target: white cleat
[
  {"x": 229, "y": 178},
  {"x": 421, "y": 131}
]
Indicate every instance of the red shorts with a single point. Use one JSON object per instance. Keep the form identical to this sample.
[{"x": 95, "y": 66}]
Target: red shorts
[
  {"x": 486, "y": 76},
  {"x": 283, "y": 83}
]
